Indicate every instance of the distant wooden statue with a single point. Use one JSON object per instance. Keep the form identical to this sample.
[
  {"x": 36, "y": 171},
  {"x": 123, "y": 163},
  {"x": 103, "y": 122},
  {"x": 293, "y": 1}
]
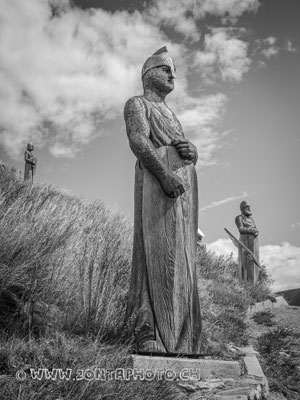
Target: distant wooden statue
[
  {"x": 248, "y": 270},
  {"x": 163, "y": 296},
  {"x": 30, "y": 163}
]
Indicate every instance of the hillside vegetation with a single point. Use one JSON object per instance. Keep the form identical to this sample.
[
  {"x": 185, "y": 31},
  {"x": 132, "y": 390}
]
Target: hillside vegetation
[
  {"x": 64, "y": 279},
  {"x": 292, "y": 296}
]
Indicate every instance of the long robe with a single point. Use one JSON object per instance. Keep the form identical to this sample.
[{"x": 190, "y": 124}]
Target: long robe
[
  {"x": 163, "y": 298},
  {"x": 248, "y": 270},
  {"x": 30, "y": 167}
]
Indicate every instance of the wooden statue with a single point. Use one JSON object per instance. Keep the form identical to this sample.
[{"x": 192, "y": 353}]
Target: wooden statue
[
  {"x": 30, "y": 163},
  {"x": 163, "y": 298},
  {"x": 248, "y": 270}
]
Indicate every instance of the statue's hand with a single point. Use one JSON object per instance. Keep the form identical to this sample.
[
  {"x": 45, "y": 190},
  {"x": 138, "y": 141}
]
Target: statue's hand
[
  {"x": 186, "y": 149},
  {"x": 172, "y": 185},
  {"x": 253, "y": 231}
]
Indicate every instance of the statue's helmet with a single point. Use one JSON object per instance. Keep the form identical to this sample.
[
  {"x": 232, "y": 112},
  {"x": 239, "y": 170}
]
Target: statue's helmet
[
  {"x": 244, "y": 204},
  {"x": 29, "y": 146},
  {"x": 158, "y": 59}
]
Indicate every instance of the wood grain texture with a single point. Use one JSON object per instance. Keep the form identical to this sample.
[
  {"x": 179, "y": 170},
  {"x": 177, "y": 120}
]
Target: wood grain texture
[
  {"x": 170, "y": 236},
  {"x": 163, "y": 302},
  {"x": 248, "y": 270}
]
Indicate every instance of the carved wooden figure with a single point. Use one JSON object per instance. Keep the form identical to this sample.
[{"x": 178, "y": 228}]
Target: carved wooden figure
[
  {"x": 163, "y": 297},
  {"x": 248, "y": 270},
  {"x": 30, "y": 163}
]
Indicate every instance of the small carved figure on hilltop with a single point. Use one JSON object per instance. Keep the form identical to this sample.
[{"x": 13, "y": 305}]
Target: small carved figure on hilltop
[
  {"x": 30, "y": 163},
  {"x": 248, "y": 270},
  {"x": 163, "y": 294}
]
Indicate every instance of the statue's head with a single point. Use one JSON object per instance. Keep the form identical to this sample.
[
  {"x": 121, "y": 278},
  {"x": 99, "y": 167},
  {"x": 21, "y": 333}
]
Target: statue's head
[
  {"x": 245, "y": 208},
  {"x": 30, "y": 147},
  {"x": 159, "y": 71}
]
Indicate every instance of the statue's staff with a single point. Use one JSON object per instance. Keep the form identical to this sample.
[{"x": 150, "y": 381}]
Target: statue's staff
[{"x": 243, "y": 248}]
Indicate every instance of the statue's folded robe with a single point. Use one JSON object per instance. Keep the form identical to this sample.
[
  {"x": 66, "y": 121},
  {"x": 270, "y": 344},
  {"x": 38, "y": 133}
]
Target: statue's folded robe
[{"x": 163, "y": 288}]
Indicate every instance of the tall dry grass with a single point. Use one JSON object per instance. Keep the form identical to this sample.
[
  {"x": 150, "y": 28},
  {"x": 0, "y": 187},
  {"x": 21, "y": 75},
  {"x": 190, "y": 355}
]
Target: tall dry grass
[
  {"x": 225, "y": 300},
  {"x": 67, "y": 255},
  {"x": 82, "y": 356}
]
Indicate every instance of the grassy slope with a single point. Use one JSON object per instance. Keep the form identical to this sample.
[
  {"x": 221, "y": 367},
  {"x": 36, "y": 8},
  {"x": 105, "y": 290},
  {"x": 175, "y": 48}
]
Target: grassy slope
[
  {"x": 292, "y": 296},
  {"x": 64, "y": 277}
]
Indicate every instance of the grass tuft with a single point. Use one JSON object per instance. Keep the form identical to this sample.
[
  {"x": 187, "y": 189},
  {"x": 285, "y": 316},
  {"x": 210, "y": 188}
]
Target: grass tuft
[
  {"x": 279, "y": 349},
  {"x": 264, "y": 318}
]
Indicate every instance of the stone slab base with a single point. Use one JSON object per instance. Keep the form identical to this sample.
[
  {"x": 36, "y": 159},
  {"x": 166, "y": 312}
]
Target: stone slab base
[
  {"x": 225, "y": 380},
  {"x": 266, "y": 305},
  {"x": 186, "y": 368}
]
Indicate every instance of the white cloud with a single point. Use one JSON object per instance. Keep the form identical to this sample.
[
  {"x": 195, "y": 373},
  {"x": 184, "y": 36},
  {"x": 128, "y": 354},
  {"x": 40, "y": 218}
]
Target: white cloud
[
  {"x": 290, "y": 47},
  {"x": 282, "y": 261},
  {"x": 271, "y": 40},
  {"x": 270, "y": 52},
  {"x": 296, "y": 225},
  {"x": 200, "y": 118},
  {"x": 223, "y": 247},
  {"x": 62, "y": 77},
  {"x": 64, "y": 72},
  {"x": 184, "y": 15},
  {"x": 224, "y": 55},
  {"x": 223, "y": 201},
  {"x": 267, "y": 48},
  {"x": 170, "y": 13},
  {"x": 229, "y": 8}
]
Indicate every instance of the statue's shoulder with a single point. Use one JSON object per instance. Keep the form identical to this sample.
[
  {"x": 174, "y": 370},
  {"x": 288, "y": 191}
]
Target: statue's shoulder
[
  {"x": 135, "y": 105},
  {"x": 239, "y": 219}
]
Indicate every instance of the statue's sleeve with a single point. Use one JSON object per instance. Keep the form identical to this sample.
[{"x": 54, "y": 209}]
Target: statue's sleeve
[
  {"x": 138, "y": 132},
  {"x": 255, "y": 227},
  {"x": 28, "y": 158},
  {"x": 242, "y": 229}
]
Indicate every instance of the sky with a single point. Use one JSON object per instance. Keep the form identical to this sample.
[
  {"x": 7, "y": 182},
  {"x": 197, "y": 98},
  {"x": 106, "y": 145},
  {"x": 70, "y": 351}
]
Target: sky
[{"x": 67, "y": 69}]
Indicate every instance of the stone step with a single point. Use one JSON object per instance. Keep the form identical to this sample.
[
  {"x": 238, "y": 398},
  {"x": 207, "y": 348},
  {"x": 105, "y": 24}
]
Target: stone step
[
  {"x": 186, "y": 368},
  {"x": 249, "y": 392},
  {"x": 235, "y": 397},
  {"x": 207, "y": 378},
  {"x": 266, "y": 305}
]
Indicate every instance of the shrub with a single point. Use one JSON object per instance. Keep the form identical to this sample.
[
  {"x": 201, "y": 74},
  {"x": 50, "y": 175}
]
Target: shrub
[
  {"x": 280, "y": 364},
  {"x": 264, "y": 318},
  {"x": 67, "y": 255}
]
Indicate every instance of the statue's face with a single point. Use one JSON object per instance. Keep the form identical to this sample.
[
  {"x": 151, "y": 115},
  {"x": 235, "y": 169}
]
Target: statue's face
[
  {"x": 247, "y": 211},
  {"x": 161, "y": 78},
  {"x": 29, "y": 147}
]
